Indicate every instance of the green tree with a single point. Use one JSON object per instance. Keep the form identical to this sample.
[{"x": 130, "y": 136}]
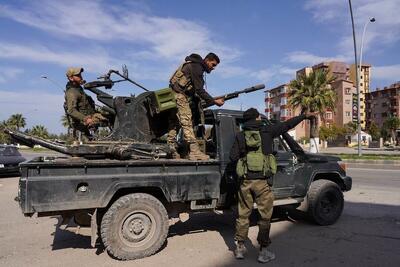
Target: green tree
[
  {"x": 350, "y": 128},
  {"x": 391, "y": 124},
  {"x": 313, "y": 92},
  {"x": 39, "y": 131},
  {"x": 4, "y": 138},
  {"x": 374, "y": 131},
  {"x": 16, "y": 121}
]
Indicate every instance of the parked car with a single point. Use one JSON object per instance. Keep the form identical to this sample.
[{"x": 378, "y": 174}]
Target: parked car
[{"x": 10, "y": 158}]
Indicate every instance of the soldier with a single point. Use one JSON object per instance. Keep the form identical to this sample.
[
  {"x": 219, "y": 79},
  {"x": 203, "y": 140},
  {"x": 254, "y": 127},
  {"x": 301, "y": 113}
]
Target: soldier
[
  {"x": 255, "y": 186},
  {"x": 188, "y": 84},
  {"x": 79, "y": 107}
]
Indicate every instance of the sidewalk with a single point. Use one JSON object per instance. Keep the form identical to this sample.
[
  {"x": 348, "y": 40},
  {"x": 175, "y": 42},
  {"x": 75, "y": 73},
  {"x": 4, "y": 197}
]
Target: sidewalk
[{"x": 350, "y": 150}]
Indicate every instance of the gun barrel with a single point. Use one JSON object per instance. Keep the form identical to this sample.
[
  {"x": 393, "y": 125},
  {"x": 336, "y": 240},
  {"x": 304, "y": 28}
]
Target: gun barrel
[{"x": 32, "y": 140}]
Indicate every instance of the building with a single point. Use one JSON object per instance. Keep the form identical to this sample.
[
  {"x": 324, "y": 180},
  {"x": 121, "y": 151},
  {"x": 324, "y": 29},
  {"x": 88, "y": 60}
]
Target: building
[
  {"x": 277, "y": 98},
  {"x": 276, "y": 108},
  {"x": 383, "y": 103},
  {"x": 345, "y": 92},
  {"x": 365, "y": 79}
]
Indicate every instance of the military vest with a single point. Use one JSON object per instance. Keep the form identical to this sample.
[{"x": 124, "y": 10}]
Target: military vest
[
  {"x": 255, "y": 160},
  {"x": 179, "y": 78}
]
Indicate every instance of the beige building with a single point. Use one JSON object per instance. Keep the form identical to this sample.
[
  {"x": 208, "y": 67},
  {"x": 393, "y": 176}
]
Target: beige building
[
  {"x": 365, "y": 79},
  {"x": 383, "y": 103}
]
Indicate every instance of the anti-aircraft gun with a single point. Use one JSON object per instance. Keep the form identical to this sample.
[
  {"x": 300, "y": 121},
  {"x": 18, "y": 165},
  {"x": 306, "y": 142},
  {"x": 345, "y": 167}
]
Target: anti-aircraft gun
[{"x": 138, "y": 122}]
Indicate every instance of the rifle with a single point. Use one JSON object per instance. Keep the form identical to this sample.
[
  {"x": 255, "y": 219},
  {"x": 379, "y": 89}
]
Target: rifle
[{"x": 235, "y": 94}]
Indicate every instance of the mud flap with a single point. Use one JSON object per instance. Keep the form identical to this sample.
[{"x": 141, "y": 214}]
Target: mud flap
[{"x": 94, "y": 228}]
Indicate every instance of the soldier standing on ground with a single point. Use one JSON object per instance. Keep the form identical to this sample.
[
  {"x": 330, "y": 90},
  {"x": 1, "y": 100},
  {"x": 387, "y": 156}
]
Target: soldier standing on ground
[
  {"x": 188, "y": 83},
  {"x": 79, "y": 107},
  {"x": 257, "y": 186}
]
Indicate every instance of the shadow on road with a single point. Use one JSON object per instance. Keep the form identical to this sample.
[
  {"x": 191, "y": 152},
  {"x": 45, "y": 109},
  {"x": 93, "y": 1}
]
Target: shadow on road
[{"x": 367, "y": 234}]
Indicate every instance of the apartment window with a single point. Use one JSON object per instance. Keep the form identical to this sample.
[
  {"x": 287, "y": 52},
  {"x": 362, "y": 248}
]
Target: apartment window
[
  {"x": 384, "y": 115},
  {"x": 267, "y": 94},
  {"x": 284, "y": 113},
  {"x": 347, "y": 113},
  {"x": 361, "y": 99},
  {"x": 283, "y": 101},
  {"x": 361, "y": 84},
  {"x": 328, "y": 115},
  {"x": 361, "y": 77},
  {"x": 347, "y": 91}
]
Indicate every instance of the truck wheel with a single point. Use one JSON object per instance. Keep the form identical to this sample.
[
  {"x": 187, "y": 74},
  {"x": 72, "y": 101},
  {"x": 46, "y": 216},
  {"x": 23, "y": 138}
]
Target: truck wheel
[
  {"x": 324, "y": 202},
  {"x": 135, "y": 226}
]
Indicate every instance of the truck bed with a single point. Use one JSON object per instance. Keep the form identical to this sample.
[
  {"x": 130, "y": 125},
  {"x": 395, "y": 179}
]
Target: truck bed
[{"x": 66, "y": 183}]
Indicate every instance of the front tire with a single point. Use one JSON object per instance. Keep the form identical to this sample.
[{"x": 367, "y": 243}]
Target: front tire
[
  {"x": 324, "y": 202},
  {"x": 135, "y": 226}
]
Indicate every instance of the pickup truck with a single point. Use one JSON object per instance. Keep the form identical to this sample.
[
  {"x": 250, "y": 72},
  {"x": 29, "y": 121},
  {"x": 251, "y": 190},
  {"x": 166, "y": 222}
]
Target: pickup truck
[{"x": 129, "y": 203}]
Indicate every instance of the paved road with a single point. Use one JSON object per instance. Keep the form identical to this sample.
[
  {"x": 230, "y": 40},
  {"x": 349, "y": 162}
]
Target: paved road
[{"x": 367, "y": 234}]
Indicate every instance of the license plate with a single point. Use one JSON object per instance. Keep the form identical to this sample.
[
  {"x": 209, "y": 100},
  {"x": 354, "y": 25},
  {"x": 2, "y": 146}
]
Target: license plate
[{"x": 1, "y": 165}]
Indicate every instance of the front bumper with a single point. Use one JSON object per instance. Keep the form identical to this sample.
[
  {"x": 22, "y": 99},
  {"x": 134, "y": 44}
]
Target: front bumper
[{"x": 348, "y": 182}]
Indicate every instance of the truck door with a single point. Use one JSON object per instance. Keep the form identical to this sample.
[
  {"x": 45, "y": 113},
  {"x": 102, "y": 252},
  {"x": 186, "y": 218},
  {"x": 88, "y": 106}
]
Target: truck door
[{"x": 283, "y": 181}]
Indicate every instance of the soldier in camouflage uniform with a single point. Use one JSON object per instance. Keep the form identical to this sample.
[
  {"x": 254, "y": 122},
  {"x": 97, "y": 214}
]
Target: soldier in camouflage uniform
[
  {"x": 188, "y": 83},
  {"x": 79, "y": 107},
  {"x": 255, "y": 187}
]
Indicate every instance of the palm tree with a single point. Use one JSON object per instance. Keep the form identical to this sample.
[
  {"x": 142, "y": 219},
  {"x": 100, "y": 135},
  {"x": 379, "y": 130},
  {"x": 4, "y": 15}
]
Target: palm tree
[
  {"x": 39, "y": 131},
  {"x": 392, "y": 124},
  {"x": 17, "y": 121},
  {"x": 313, "y": 93}
]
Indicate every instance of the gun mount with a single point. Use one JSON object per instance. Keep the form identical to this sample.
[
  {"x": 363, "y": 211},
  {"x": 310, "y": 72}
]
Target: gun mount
[{"x": 138, "y": 122}]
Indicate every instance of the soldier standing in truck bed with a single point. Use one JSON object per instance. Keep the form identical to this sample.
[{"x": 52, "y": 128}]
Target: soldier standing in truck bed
[
  {"x": 188, "y": 83},
  {"x": 79, "y": 107}
]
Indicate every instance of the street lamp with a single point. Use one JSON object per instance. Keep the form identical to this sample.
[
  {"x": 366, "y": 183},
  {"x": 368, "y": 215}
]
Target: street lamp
[
  {"x": 358, "y": 71},
  {"x": 372, "y": 19}
]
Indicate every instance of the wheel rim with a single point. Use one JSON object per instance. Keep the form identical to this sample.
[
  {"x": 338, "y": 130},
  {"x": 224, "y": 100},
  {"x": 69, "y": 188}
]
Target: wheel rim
[
  {"x": 137, "y": 228},
  {"x": 329, "y": 204}
]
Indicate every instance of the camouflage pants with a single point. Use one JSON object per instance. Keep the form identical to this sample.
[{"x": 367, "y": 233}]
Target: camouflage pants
[
  {"x": 181, "y": 119},
  {"x": 260, "y": 192}
]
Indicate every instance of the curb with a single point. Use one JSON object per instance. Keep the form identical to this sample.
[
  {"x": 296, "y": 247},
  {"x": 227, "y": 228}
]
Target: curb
[{"x": 380, "y": 162}]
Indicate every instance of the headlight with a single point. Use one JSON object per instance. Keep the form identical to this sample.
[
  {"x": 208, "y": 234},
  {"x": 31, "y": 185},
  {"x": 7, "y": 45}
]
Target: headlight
[{"x": 342, "y": 165}]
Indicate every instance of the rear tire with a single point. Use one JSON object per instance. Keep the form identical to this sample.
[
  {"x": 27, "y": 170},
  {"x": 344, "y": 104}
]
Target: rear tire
[
  {"x": 135, "y": 226},
  {"x": 324, "y": 202}
]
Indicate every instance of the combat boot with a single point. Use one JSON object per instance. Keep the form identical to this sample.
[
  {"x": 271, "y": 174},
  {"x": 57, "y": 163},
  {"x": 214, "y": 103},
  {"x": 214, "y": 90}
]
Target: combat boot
[
  {"x": 240, "y": 250},
  {"x": 174, "y": 152},
  {"x": 265, "y": 255},
  {"x": 196, "y": 154}
]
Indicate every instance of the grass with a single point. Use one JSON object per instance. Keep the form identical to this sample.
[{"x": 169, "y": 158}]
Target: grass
[{"x": 369, "y": 157}]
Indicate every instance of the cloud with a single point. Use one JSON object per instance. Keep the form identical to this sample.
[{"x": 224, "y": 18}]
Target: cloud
[
  {"x": 390, "y": 73},
  {"x": 385, "y": 31},
  {"x": 38, "y": 107},
  {"x": 168, "y": 38},
  {"x": 9, "y": 73},
  {"x": 94, "y": 60},
  {"x": 303, "y": 57}
]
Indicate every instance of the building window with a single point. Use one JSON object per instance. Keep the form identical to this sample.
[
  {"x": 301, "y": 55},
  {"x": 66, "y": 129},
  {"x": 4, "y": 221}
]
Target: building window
[
  {"x": 361, "y": 84},
  {"x": 347, "y": 113},
  {"x": 347, "y": 91},
  {"x": 347, "y": 101},
  {"x": 283, "y": 101},
  {"x": 328, "y": 115}
]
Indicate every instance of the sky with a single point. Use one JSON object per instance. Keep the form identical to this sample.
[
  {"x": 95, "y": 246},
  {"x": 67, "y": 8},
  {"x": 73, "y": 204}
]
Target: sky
[{"x": 257, "y": 41}]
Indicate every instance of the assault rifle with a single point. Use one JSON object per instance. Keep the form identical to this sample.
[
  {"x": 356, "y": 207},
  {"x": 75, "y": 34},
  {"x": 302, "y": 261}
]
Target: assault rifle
[{"x": 237, "y": 93}]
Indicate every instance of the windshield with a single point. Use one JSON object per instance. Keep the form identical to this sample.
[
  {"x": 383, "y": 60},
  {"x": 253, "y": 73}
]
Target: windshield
[{"x": 9, "y": 151}]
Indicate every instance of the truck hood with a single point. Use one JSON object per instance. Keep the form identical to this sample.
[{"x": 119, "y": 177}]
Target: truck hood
[{"x": 321, "y": 157}]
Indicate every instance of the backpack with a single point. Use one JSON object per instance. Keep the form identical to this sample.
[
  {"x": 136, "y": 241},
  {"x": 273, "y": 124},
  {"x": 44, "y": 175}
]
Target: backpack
[
  {"x": 255, "y": 160},
  {"x": 180, "y": 78}
]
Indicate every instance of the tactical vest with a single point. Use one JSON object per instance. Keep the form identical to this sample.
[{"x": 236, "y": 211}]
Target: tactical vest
[
  {"x": 179, "y": 78},
  {"x": 255, "y": 160}
]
